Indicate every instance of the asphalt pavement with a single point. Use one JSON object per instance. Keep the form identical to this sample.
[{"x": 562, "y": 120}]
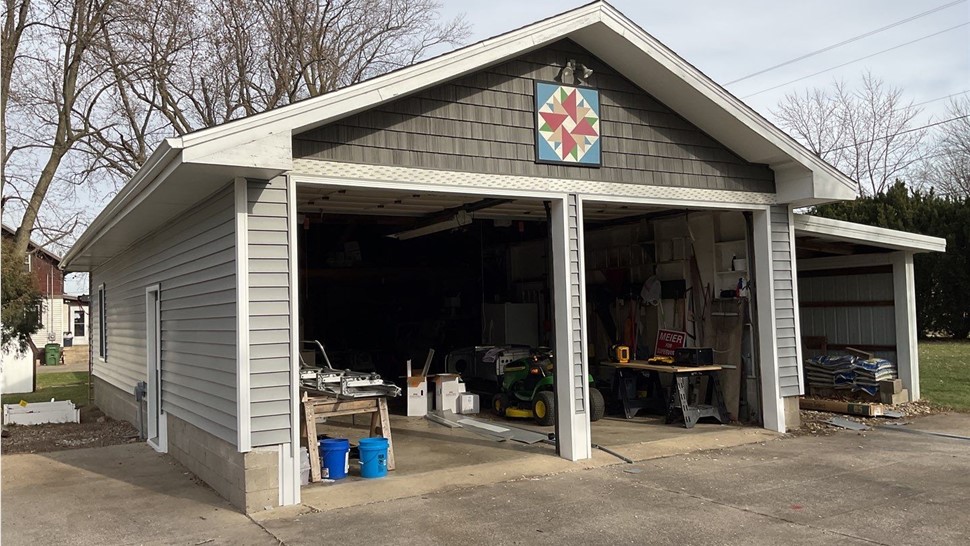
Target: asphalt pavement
[{"x": 875, "y": 487}]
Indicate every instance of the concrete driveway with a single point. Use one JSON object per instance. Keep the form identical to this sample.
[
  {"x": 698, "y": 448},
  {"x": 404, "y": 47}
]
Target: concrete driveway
[{"x": 882, "y": 487}]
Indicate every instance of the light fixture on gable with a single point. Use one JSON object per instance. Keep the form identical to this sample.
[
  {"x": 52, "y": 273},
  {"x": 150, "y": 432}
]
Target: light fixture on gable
[{"x": 573, "y": 72}]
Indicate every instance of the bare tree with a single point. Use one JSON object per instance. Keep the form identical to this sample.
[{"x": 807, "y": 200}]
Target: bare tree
[
  {"x": 55, "y": 89},
  {"x": 95, "y": 85},
  {"x": 870, "y": 134},
  {"x": 947, "y": 168}
]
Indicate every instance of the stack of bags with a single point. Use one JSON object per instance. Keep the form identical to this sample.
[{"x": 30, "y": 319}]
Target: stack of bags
[
  {"x": 830, "y": 372},
  {"x": 849, "y": 373},
  {"x": 868, "y": 374}
]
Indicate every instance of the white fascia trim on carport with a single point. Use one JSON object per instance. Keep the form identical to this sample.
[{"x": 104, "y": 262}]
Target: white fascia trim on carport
[
  {"x": 243, "y": 408},
  {"x": 840, "y": 230}
]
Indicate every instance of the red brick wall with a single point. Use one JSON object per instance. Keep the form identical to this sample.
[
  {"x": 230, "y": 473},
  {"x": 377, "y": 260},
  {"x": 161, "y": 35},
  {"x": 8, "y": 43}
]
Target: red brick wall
[{"x": 41, "y": 265}]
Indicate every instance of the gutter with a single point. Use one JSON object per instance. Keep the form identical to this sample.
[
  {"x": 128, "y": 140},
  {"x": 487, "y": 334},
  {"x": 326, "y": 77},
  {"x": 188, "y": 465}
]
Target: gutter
[{"x": 167, "y": 152}]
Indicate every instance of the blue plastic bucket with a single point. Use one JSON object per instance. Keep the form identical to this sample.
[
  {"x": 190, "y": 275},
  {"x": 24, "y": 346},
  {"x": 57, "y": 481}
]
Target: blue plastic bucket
[
  {"x": 373, "y": 457},
  {"x": 335, "y": 458}
]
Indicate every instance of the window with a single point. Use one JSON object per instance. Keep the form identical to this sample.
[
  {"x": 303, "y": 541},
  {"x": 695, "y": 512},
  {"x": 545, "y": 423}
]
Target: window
[
  {"x": 79, "y": 323},
  {"x": 27, "y": 262},
  {"x": 102, "y": 324}
]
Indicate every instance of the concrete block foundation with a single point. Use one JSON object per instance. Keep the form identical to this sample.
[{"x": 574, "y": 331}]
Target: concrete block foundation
[
  {"x": 793, "y": 418},
  {"x": 250, "y": 481}
]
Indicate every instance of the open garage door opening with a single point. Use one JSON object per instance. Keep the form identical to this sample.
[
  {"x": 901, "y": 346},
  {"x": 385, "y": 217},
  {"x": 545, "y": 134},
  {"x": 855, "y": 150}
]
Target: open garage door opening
[
  {"x": 672, "y": 328},
  {"x": 388, "y": 276}
]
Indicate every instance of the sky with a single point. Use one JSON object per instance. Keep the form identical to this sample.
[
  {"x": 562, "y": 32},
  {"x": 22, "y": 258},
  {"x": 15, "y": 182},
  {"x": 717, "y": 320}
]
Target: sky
[
  {"x": 730, "y": 39},
  {"x": 926, "y": 57}
]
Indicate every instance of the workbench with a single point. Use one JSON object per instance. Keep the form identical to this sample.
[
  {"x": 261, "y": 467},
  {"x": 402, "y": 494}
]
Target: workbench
[
  {"x": 319, "y": 406},
  {"x": 682, "y": 399}
]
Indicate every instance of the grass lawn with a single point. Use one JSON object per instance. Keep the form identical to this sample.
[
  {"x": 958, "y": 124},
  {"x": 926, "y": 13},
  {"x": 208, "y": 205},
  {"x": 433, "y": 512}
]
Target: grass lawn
[
  {"x": 71, "y": 386},
  {"x": 945, "y": 373}
]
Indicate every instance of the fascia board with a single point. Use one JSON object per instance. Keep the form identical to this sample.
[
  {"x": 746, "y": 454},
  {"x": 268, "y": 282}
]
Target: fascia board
[
  {"x": 162, "y": 160},
  {"x": 309, "y": 113},
  {"x": 721, "y": 97},
  {"x": 860, "y": 233}
]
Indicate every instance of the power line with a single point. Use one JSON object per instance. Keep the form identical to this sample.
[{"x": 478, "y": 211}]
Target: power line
[
  {"x": 913, "y": 130},
  {"x": 857, "y": 60},
  {"x": 941, "y": 98},
  {"x": 845, "y": 42}
]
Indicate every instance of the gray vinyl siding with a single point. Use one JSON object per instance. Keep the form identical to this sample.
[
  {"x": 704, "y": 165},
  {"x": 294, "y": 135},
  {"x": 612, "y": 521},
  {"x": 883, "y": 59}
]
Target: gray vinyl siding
[
  {"x": 269, "y": 312},
  {"x": 786, "y": 334},
  {"x": 849, "y": 325},
  {"x": 193, "y": 261},
  {"x": 575, "y": 305},
  {"x": 484, "y": 122}
]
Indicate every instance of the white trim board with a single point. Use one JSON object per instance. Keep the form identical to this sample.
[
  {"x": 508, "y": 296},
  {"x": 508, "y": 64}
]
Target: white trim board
[
  {"x": 290, "y": 488},
  {"x": 839, "y": 230},
  {"x": 244, "y": 437},
  {"x": 436, "y": 180}
]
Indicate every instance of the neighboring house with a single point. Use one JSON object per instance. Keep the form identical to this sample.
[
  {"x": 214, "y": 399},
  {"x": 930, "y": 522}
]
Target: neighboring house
[
  {"x": 77, "y": 319},
  {"x": 44, "y": 267},
  {"x": 197, "y": 271}
]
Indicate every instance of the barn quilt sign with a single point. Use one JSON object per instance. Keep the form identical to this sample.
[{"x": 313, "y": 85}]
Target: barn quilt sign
[{"x": 567, "y": 124}]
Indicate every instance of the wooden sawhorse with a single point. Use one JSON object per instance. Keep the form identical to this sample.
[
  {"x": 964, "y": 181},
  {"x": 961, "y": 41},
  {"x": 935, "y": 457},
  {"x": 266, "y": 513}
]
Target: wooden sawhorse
[{"x": 321, "y": 406}]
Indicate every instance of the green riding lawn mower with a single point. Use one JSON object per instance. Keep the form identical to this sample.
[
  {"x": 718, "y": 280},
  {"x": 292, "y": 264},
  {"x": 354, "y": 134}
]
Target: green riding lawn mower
[{"x": 527, "y": 390}]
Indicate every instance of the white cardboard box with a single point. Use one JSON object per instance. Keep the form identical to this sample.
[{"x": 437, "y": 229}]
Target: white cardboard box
[
  {"x": 417, "y": 396},
  {"x": 468, "y": 403},
  {"x": 446, "y": 392}
]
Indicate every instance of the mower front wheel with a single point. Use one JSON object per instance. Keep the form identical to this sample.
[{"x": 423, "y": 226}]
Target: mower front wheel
[
  {"x": 500, "y": 403},
  {"x": 544, "y": 408}
]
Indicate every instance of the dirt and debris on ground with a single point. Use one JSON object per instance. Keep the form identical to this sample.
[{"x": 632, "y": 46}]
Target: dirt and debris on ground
[
  {"x": 94, "y": 430},
  {"x": 814, "y": 422}
]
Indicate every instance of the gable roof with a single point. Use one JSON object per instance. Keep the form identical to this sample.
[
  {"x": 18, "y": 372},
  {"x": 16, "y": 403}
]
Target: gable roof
[
  {"x": 261, "y": 145},
  {"x": 33, "y": 245}
]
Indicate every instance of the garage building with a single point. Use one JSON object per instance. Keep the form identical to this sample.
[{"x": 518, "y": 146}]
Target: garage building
[{"x": 552, "y": 169}]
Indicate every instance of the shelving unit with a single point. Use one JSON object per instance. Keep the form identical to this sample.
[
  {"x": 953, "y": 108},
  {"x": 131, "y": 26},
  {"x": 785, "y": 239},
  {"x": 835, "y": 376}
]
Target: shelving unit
[{"x": 730, "y": 252}]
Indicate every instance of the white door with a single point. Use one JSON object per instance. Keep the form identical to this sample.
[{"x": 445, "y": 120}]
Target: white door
[{"x": 153, "y": 351}]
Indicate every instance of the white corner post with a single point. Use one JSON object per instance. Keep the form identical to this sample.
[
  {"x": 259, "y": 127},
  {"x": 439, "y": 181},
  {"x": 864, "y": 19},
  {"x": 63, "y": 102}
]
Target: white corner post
[
  {"x": 243, "y": 411},
  {"x": 290, "y": 453},
  {"x": 904, "y": 304},
  {"x": 572, "y": 387},
  {"x": 772, "y": 404}
]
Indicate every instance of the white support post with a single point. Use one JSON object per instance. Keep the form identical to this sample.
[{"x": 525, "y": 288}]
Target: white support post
[
  {"x": 904, "y": 296},
  {"x": 773, "y": 409},
  {"x": 290, "y": 453},
  {"x": 574, "y": 428}
]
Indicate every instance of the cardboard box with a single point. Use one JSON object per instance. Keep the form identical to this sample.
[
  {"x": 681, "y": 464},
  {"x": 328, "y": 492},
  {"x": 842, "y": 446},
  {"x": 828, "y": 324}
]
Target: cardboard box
[
  {"x": 891, "y": 387},
  {"x": 446, "y": 392},
  {"x": 897, "y": 398},
  {"x": 468, "y": 403},
  {"x": 417, "y": 396}
]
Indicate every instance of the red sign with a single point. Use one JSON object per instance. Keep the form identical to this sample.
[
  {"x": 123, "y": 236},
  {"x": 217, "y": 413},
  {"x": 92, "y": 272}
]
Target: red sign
[{"x": 668, "y": 340}]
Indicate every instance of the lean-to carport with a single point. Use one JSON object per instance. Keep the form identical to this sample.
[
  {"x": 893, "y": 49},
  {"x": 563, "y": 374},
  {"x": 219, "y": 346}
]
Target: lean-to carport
[{"x": 857, "y": 289}]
